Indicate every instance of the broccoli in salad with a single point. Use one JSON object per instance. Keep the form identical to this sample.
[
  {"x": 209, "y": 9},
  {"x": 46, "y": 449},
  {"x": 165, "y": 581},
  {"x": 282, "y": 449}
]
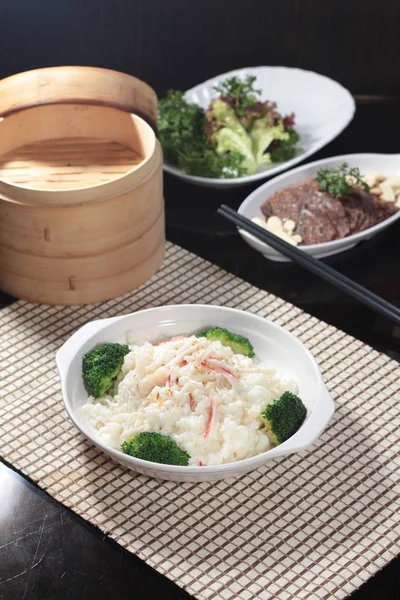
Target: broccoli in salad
[
  {"x": 155, "y": 447},
  {"x": 100, "y": 367},
  {"x": 283, "y": 417},
  {"x": 238, "y": 343}
]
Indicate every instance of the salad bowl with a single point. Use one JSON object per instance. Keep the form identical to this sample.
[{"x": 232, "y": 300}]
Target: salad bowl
[
  {"x": 322, "y": 107},
  {"x": 271, "y": 342}
]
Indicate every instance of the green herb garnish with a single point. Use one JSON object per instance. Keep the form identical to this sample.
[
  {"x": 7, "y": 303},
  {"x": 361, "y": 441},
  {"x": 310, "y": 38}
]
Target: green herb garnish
[
  {"x": 341, "y": 181},
  {"x": 181, "y": 128},
  {"x": 242, "y": 92}
]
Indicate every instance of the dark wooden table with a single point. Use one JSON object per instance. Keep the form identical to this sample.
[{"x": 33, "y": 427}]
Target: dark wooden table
[{"x": 46, "y": 552}]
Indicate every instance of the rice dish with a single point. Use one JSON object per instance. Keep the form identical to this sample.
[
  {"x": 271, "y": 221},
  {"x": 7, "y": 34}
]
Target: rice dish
[{"x": 198, "y": 392}]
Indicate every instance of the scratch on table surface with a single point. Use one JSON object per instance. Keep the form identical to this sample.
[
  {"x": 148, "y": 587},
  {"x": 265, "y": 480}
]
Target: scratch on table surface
[
  {"x": 62, "y": 515},
  {"x": 13, "y": 577},
  {"x": 26, "y": 525},
  {"x": 86, "y": 574},
  {"x": 34, "y": 562},
  {"x": 19, "y": 539},
  {"x": 41, "y": 530}
]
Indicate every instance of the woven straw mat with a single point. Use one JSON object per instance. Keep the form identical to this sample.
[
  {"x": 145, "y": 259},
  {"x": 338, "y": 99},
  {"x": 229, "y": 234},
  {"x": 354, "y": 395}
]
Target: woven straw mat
[{"x": 314, "y": 525}]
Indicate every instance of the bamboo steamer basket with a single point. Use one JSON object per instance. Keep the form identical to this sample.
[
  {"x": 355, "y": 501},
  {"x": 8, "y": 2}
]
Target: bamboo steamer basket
[{"x": 81, "y": 200}]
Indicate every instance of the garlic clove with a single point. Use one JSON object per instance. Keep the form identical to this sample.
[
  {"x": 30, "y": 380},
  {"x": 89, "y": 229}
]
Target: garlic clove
[
  {"x": 387, "y": 192},
  {"x": 394, "y": 182},
  {"x": 259, "y": 222},
  {"x": 289, "y": 226},
  {"x": 371, "y": 178},
  {"x": 274, "y": 224},
  {"x": 284, "y": 236},
  {"x": 297, "y": 239},
  {"x": 375, "y": 190}
]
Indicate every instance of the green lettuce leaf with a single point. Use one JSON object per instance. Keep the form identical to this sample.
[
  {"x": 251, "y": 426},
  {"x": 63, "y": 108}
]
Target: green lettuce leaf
[
  {"x": 262, "y": 135},
  {"x": 230, "y": 135}
]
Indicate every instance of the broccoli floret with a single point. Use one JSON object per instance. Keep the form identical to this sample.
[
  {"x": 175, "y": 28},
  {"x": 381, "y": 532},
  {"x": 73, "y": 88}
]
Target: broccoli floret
[
  {"x": 101, "y": 366},
  {"x": 238, "y": 343},
  {"x": 284, "y": 417},
  {"x": 155, "y": 447}
]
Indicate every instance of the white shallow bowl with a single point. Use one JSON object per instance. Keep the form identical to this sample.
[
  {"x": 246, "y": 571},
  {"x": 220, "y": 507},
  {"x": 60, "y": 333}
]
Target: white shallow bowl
[
  {"x": 271, "y": 343},
  {"x": 387, "y": 164},
  {"x": 323, "y": 108}
]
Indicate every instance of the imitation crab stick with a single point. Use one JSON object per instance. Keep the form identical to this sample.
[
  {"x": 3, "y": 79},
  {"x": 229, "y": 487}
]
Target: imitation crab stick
[
  {"x": 210, "y": 418},
  {"x": 229, "y": 372},
  {"x": 218, "y": 369}
]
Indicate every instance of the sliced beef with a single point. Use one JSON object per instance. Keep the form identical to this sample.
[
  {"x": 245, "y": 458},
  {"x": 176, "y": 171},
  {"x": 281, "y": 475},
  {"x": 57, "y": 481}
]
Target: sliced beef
[
  {"x": 318, "y": 216},
  {"x": 321, "y": 218},
  {"x": 364, "y": 210}
]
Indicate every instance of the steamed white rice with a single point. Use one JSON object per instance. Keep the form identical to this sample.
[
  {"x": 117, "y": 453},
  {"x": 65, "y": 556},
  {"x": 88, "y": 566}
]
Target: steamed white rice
[{"x": 208, "y": 399}]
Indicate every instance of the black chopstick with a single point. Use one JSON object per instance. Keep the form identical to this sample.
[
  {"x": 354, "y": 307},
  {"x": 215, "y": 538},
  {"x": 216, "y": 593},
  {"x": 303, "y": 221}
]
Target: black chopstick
[{"x": 314, "y": 265}]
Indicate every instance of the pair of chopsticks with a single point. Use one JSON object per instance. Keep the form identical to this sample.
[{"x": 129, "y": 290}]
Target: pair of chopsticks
[{"x": 313, "y": 265}]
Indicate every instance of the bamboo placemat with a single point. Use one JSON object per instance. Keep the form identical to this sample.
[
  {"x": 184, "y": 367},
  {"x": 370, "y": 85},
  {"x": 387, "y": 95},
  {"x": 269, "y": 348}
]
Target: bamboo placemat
[{"x": 314, "y": 525}]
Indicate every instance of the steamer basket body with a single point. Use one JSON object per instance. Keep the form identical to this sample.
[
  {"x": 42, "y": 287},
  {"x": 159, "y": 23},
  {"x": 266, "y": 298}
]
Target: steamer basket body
[{"x": 81, "y": 203}]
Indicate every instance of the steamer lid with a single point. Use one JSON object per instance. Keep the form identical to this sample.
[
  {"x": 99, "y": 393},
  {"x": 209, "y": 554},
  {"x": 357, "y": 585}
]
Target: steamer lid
[{"x": 86, "y": 85}]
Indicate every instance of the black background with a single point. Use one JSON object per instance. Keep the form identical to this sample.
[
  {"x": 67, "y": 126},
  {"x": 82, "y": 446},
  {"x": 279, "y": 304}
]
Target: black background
[{"x": 178, "y": 43}]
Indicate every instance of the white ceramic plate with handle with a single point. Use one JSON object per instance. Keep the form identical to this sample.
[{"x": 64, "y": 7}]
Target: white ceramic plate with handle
[
  {"x": 387, "y": 164},
  {"x": 272, "y": 344},
  {"x": 322, "y": 106}
]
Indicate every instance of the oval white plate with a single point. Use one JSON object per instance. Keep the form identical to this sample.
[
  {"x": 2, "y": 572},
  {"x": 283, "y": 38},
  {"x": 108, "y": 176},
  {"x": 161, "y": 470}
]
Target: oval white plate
[
  {"x": 323, "y": 108},
  {"x": 388, "y": 164},
  {"x": 271, "y": 343}
]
